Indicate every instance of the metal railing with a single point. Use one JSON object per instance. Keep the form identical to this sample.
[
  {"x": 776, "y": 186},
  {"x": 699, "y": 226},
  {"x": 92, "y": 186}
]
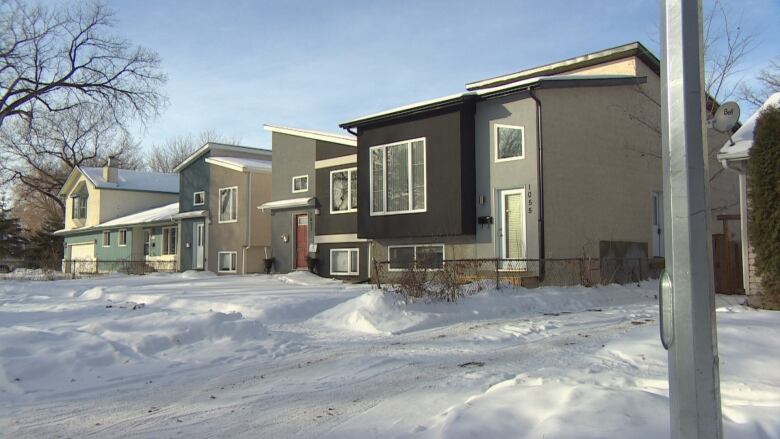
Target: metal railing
[{"x": 100, "y": 266}]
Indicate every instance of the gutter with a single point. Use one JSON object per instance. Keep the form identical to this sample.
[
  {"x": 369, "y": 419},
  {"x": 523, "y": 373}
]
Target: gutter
[
  {"x": 540, "y": 181},
  {"x": 248, "y": 231}
]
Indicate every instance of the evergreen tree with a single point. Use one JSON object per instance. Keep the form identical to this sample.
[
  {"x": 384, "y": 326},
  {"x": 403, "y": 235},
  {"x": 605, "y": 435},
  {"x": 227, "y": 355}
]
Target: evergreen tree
[
  {"x": 12, "y": 243},
  {"x": 45, "y": 248},
  {"x": 764, "y": 177}
]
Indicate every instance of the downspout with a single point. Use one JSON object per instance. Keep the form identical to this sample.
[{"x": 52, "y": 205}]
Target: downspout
[
  {"x": 540, "y": 181},
  {"x": 248, "y": 231}
]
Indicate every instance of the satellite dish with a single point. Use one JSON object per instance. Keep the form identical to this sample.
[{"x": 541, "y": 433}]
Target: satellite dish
[{"x": 726, "y": 117}]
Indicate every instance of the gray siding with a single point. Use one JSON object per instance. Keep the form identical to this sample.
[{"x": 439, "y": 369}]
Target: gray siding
[
  {"x": 327, "y": 223},
  {"x": 292, "y": 156}
]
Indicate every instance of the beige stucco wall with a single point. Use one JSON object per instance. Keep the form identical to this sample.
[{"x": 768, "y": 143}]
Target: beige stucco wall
[
  {"x": 93, "y": 206},
  {"x": 602, "y": 162},
  {"x": 624, "y": 66},
  {"x": 251, "y": 226}
]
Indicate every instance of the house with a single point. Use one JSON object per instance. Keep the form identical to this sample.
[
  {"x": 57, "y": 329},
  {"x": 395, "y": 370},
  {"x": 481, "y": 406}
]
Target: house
[
  {"x": 734, "y": 156},
  {"x": 220, "y": 229},
  {"x": 314, "y": 204},
  {"x": 550, "y": 163},
  {"x": 116, "y": 219}
]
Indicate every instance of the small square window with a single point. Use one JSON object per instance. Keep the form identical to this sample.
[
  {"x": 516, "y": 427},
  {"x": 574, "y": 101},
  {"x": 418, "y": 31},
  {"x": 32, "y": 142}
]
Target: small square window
[
  {"x": 344, "y": 261},
  {"x": 300, "y": 183},
  {"x": 199, "y": 198},
  {"x": 509, "y": 142}
]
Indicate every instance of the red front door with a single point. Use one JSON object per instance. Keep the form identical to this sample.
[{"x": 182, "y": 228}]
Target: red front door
[{"x": 301, "y": 240}]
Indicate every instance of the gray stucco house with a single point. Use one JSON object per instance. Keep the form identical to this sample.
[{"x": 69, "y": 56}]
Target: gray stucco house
[
  {"x": 314, "y": 204},
  {"x": 220, "y": 229}
]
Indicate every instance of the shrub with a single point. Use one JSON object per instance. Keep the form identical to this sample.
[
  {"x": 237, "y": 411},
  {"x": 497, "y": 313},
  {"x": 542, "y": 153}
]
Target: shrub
[{"x": 764, "y": 177}]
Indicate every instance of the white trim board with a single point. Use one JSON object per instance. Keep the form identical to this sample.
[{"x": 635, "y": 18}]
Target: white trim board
[
  {"x": 338, "y": 238},
  {"x": 336, "y": 161},
  {"x": 310, "y": 134}
]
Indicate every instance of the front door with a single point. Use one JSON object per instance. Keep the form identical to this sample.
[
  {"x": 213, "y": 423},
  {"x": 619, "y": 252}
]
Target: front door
[
  {"x": 301, "y": 240},
  {"x": 512, "y": 230},
  {"x": 658, "y": 225},
  {"x": 199, "y": 238}
]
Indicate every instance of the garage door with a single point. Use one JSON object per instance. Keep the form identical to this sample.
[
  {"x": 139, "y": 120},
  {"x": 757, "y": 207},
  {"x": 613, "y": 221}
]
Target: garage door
[{"x": 81, "y": 257}]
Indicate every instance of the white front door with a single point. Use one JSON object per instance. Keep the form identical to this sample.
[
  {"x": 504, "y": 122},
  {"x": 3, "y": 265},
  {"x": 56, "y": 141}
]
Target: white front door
[
  {"x": 511, "y": 232},
  {"x": 199, "y": 239},
  {"x": 658, "y": 225}
]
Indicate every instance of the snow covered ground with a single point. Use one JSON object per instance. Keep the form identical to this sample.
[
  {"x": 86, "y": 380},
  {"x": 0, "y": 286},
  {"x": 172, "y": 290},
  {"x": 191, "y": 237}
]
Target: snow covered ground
[{"x": 194, "y": 355}]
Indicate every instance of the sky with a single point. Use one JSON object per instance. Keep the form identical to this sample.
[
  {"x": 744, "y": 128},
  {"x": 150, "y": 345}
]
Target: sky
[{"x": 234, "y": 65}]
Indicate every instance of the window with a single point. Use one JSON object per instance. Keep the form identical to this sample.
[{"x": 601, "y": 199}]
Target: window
[
  {"x": 79, "y": 207},
  {"x": 430, "y": 256},
  {"x": 122, "y": 237},
  {"x": 300, "y": 183},
  {"x": 169, "y": 240},
  {"x": 147, "y": 242},
  {"x": 343, "y": 191},
  {"x": 227, "y": 262},
  {"x": 199, "y": 198},
  {"x": 398, "y": 178},
  {"x": 344, "y": 261},
  {"x": 106, "y": 238},
  {"x": 509, "y": 142},
  {"x": 228, "y": 209}
]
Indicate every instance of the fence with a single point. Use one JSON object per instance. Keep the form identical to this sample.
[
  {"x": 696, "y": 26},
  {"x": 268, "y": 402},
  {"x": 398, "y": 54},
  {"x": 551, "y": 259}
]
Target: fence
[
  {"x": 453, "y": 278},
  {"x": 92, "y": 267}
]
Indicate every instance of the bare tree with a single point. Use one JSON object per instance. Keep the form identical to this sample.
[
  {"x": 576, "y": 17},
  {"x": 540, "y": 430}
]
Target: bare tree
[
  {"x": 768, "y": 83},
  {"x": 165, "y": 156},
  {"x": 54, "y": 59}
]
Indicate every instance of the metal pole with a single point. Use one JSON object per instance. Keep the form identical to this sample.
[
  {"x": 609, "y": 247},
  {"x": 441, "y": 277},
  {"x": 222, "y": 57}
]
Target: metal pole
[{"x": 687, "y": 296}]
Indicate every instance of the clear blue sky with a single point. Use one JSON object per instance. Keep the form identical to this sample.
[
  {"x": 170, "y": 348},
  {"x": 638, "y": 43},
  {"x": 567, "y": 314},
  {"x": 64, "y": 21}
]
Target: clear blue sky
[{"x": 235, "y": 65}]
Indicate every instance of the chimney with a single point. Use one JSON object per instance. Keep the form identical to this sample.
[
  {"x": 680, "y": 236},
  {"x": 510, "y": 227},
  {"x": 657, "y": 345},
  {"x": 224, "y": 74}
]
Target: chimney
[{"x": 110, "y": 173}]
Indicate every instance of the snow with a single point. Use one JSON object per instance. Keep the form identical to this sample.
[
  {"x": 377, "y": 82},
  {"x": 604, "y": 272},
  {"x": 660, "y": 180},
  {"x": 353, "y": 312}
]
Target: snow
[
  {"x": 743, "y": 137},
  {"x": 241, "y": 164},
  {"x": 283, "y": 204},
  {"x": 199, "y": 355},
  {"x": 135, "y": 180},
  {"x": 155, "y": 215}
]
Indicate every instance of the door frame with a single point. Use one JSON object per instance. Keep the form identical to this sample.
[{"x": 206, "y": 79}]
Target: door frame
[
  {"x": 294, "y": 239},
  {"x": 501, "y": 229},
  {"x": 199, "y": 261}
]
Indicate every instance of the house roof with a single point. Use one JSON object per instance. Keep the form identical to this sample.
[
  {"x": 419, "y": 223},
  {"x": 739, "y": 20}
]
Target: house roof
[
  {"x": 151, "y": 216},
  {"x": 214, "y": 146},
  {"x": 499, "y": 90},
  {"x": 241, "y": 164},
  {"x": 625, "y": 51},
  {"x": 127, "y": 180},
  {"x": 743, "y": 137},
  {"x": 311, "y": 134},
  {"x": 286, "y": 204}
]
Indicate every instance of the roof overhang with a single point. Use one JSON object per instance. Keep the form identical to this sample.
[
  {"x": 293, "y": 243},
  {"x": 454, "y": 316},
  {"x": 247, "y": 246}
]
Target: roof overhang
[
  {"x": 221, "y": 147},
  {"x": 287, "y": 204},
  {"x": 225, "y": 162},
  {"x": 73, "y": 177},
  {"x": 310, "y": 134}
]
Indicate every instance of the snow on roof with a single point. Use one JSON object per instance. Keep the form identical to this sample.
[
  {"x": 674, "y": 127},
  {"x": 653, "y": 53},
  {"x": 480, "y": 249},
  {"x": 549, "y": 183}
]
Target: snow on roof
[
  {"x": 241, "y": 164},
  {"x": 192, "y": 214},
  {"x": 743, "y": 137},
  {"x": 150, "y": 216},
  {"x": 221, "y": 147},
  {"x": 311, "y": 134},
  {"x": 283, "y": 204},
  {"x": 134, "y": 180}
]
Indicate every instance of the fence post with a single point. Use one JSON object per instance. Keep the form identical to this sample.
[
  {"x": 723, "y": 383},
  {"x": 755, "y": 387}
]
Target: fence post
[
  {"x": 376, "y": 272},
  {"x": 498, "y": 280}
]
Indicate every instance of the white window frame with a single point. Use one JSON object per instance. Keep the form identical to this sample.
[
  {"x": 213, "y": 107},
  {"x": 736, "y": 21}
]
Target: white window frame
[
  {"x": 202, "y": 198},
  {"x": 106, "y": 241},
  {"x": 495, "y": 142},
  {"x": 384, "y": 178},
  {"x": 122, "y": 234},
  {"x": 165, "y": 241},
  {"x": 350, "y": 172},
  {"x": 219, "y": 205},
  {"x": 306, "y": 178},
  {"x": 233, "y": 261},
  {"x": 349, "y": 256},
  {"x": 415, "y": 246}
]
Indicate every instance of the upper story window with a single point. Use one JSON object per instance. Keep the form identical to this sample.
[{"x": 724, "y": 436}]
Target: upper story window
[
  {"x": 79, "y": 207},
  {"x": 343, "y": 191},
  {"x": 398, "y": 178},
  {"x": 228, "y": 208},
  {"x": 300, "y": 183},
  {"x": 169, "y": 240},
  {"x": 199, "y": 198},
  {"x": 510, "y": 142}
]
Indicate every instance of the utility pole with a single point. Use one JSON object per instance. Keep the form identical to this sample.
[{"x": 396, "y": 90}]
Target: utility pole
[{"x": 687, "y": 298}]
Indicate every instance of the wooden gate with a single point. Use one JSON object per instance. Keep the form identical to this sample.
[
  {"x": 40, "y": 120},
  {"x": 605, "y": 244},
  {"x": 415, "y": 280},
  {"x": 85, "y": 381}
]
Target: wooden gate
[{"x": 727, "y": 261}]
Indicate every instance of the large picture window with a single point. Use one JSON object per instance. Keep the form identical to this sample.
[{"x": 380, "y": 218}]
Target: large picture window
[
  {"x": 398, "y": 178},
  {"x": 344, "y": 261},
  {"x": 402, "y": 257},
  {"x": 228, "y": 208},
  {"x": 169, "y": 240},
  {"x": 509, "y": 142},
  {"x": 343, "y": 191}
]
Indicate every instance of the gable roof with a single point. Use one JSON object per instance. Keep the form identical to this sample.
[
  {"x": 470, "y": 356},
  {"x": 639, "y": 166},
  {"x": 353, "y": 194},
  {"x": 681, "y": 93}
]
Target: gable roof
[
  {"x": 311, "y": 134},
  {"x": 743, "y": 137},
  {"x": 214, "y": 146},
  {"x": 600, "y": 57},
  {"x": 128, "y": 180},
  {"x": 241, "y": 164}
]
